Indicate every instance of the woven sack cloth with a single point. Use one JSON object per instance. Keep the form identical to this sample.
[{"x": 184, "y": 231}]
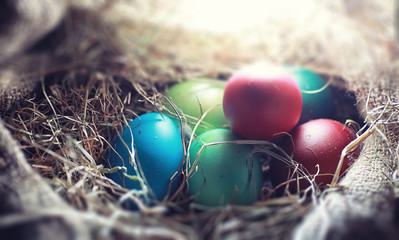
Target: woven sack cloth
[
  {"x": 23, "y": 192},
  {"x": 363, "y": 207},
  {"x": 22, "y": 24}
]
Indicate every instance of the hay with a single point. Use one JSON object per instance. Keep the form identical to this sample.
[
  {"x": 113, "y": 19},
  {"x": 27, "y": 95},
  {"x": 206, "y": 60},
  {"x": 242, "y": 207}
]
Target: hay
[
  {"x": 104, "y": 70},
  {"x": 83, "y": 100}
]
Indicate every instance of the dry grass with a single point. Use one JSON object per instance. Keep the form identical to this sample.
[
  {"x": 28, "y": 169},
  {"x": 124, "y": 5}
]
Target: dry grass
[{"x": 105, "y": 76}]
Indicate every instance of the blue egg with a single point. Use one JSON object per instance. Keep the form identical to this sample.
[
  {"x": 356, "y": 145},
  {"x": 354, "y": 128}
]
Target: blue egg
[{"x": 158, "y": 152}]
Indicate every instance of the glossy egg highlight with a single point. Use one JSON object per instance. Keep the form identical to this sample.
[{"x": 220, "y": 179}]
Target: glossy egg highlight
[
  {"x": 194, "y": 98},
  {"x": 156, "y": 144},
  {"x": 224, "y": 173},
  {"x": 262, "y": 102},
  {"x": 321, "y": 142}
]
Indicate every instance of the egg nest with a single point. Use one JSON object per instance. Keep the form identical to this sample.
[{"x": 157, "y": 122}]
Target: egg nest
[{"x": 109, "y": 70}]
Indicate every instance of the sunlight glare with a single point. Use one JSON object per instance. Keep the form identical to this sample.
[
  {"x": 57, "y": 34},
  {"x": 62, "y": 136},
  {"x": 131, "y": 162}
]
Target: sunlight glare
[{"x": 232, "y": 15}]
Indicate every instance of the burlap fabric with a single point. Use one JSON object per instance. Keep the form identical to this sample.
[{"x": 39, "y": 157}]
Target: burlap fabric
[
  {"x": 362, "y": 207},
  {"x": 23, "y": 23},
  {"x": 29, "y": 208}
]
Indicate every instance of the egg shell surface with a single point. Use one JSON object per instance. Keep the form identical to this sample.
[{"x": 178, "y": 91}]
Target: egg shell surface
[
  {"x": 262, "y": 102},
  {"x": 317, "y": 101},
  {"x": 321, "y": 142},
  {"x": 226, "y": 173},
  {"x": 158, "y": 149},
  {"x": 195, "y": 97}
]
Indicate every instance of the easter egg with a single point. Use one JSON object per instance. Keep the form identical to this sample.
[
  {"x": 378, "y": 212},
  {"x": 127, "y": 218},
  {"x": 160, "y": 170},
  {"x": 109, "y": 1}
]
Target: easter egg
[
  {"x": 317, "y": 100},
  {"x": 197, "y": 97},
  {"x": 155, "y": 144},
  {"x": 261, "y": 102},
  {"x": 224, "y": 173},
  {"x": 317, "y": 142}
]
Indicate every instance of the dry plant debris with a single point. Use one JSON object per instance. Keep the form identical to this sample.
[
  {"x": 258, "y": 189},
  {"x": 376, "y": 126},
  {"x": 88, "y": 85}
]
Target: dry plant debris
[{"x": 102, "y": 81}]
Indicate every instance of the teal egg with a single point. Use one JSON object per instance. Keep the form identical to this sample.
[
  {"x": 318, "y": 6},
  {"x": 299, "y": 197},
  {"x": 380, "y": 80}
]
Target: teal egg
[
  {"x": 226, "y": 173},
  {"x": 157, "y": 146},
  {"x": 316, "y": 104}
]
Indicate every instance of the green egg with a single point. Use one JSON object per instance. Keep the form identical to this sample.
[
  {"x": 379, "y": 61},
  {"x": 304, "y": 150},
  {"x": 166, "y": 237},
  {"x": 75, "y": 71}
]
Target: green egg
[
  {"x": 224, "y": 173},
  {"x": 317, "y": 99},
  {"x": 194, "y": 98}
]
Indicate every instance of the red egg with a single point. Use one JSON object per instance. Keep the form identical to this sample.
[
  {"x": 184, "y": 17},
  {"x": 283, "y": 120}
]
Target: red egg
[
  {"x": 261, "y": 102},
  {"x": 321, "y": 142}
]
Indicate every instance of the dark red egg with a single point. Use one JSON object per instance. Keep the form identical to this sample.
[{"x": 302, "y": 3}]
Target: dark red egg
[
  {"x": 261, "y": 102},
  {"x": 317, "y": 142}
]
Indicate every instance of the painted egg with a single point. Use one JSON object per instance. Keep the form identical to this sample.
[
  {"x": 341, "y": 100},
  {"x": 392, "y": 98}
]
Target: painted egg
[
  {"x": 155, "y": 144},
  {"x": 197, "y": 97},
  {"x": 224, "y": 173},
  {"x": 317, "y": 142},
  {"x": 317, "y": 99},
  {"x": 261, "y": 102}
]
